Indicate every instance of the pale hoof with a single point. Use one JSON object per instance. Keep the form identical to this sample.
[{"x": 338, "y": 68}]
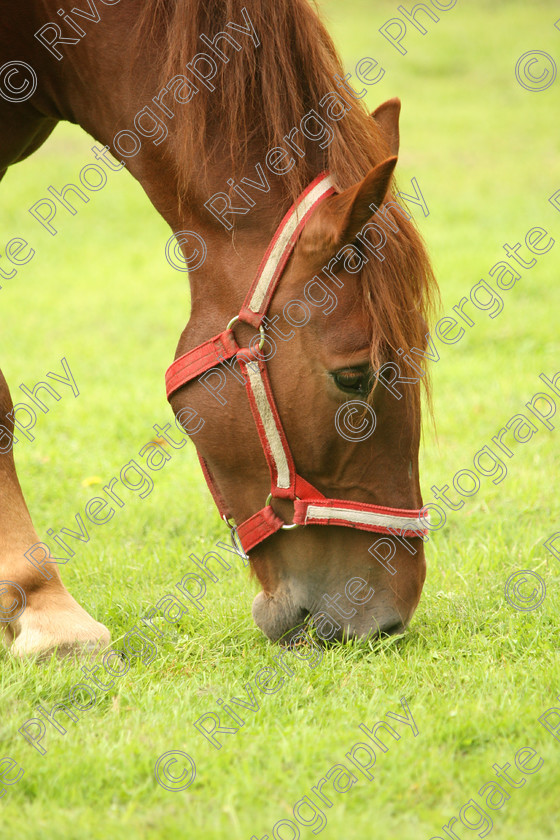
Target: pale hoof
[{"x": 65, "y": 629}]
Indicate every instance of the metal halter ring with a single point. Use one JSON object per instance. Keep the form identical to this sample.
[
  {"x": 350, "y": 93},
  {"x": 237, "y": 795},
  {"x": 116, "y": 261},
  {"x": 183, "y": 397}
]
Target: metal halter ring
[
  {"x": 284, "y": 527},
  {"x": 261, "y": 330}
]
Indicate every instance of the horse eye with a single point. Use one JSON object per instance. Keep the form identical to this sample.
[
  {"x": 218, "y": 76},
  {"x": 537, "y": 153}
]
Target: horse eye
[{"x": 352, "y": 380}]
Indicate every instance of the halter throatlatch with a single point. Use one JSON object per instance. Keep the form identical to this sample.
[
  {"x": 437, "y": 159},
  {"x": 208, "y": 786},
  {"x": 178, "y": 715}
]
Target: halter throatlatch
[{"x": 310, "y": 506}]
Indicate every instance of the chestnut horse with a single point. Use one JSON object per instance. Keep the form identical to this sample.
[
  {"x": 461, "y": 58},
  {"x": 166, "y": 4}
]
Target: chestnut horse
[{"x": 225, "y": 114}]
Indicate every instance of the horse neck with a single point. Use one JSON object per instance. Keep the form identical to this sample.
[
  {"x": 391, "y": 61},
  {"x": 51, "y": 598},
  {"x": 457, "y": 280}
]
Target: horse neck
[{"x": 89, "y": 88}]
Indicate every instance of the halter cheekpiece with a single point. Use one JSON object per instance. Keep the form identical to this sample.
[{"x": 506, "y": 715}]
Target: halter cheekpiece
[{"x": 310, "y": 506}]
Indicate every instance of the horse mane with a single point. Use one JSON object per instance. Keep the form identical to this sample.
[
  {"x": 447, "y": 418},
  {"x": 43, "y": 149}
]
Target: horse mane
[{"x": 261, "y": 94}]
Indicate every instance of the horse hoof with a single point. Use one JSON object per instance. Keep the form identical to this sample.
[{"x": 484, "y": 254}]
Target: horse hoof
[
  {"x": 43, "y": 646},
  {"x": 78, "y": 651},
  {"x": 64, "y": 631}
]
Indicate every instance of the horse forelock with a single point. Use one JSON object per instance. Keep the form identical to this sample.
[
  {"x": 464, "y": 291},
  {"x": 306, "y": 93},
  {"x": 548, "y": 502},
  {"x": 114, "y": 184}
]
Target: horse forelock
[{"x": 400, "y": 295}]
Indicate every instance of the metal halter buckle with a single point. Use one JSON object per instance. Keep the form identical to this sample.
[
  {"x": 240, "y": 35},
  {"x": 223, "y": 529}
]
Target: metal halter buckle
[
  {"x": 261, "y": 330},
  {"x": 284, "y": 527},
  {"x": 234, "y": 536}
]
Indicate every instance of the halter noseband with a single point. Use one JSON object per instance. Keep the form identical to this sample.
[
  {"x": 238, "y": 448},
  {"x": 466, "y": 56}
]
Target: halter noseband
[{"x": 310, "y": 506}]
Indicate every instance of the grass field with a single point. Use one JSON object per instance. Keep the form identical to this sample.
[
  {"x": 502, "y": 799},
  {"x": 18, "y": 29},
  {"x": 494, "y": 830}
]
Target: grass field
[{"x": 476, "y": 672}]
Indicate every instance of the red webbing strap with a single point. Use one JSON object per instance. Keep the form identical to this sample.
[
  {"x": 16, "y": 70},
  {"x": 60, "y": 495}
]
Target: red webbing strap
[
  {"x": 207, "y": 355},
  {"x": 366, "y": 517},
  {"x": 280, "y": 249},
  {"x": 269, "y": 426},
  {"x": 258, "y": 527},
  {"x": 265, "y": 522},
  {"x": 219, "y": 500},
  {"x": 305, "y": 490}
]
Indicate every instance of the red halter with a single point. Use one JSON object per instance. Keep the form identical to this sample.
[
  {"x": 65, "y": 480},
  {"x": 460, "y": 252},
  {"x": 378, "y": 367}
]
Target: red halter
[{"x": 310, "y": 506}]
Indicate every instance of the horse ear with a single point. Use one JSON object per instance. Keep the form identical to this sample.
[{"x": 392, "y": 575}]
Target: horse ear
[
  {"x": 387, "y": 117},
  {"x": 338, "y": 220}
]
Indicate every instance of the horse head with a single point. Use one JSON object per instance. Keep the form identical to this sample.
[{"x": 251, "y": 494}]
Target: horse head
[{"x": 314, "y": 419}]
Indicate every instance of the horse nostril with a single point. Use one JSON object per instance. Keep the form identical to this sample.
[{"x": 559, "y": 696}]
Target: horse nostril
[
  {"x": 392, "y": 629},
  {"x": 278, "y": 617}
]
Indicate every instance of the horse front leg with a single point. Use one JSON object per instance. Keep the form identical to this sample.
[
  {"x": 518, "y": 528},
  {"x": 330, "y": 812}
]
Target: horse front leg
[{"x": 37, "y": 613}]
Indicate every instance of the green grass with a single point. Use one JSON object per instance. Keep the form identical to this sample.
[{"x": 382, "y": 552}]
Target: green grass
[{"x": 477, "y": 674}]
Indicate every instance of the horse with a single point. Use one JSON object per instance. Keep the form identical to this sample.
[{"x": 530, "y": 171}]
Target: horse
[{"x": 310, "y": 287}]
